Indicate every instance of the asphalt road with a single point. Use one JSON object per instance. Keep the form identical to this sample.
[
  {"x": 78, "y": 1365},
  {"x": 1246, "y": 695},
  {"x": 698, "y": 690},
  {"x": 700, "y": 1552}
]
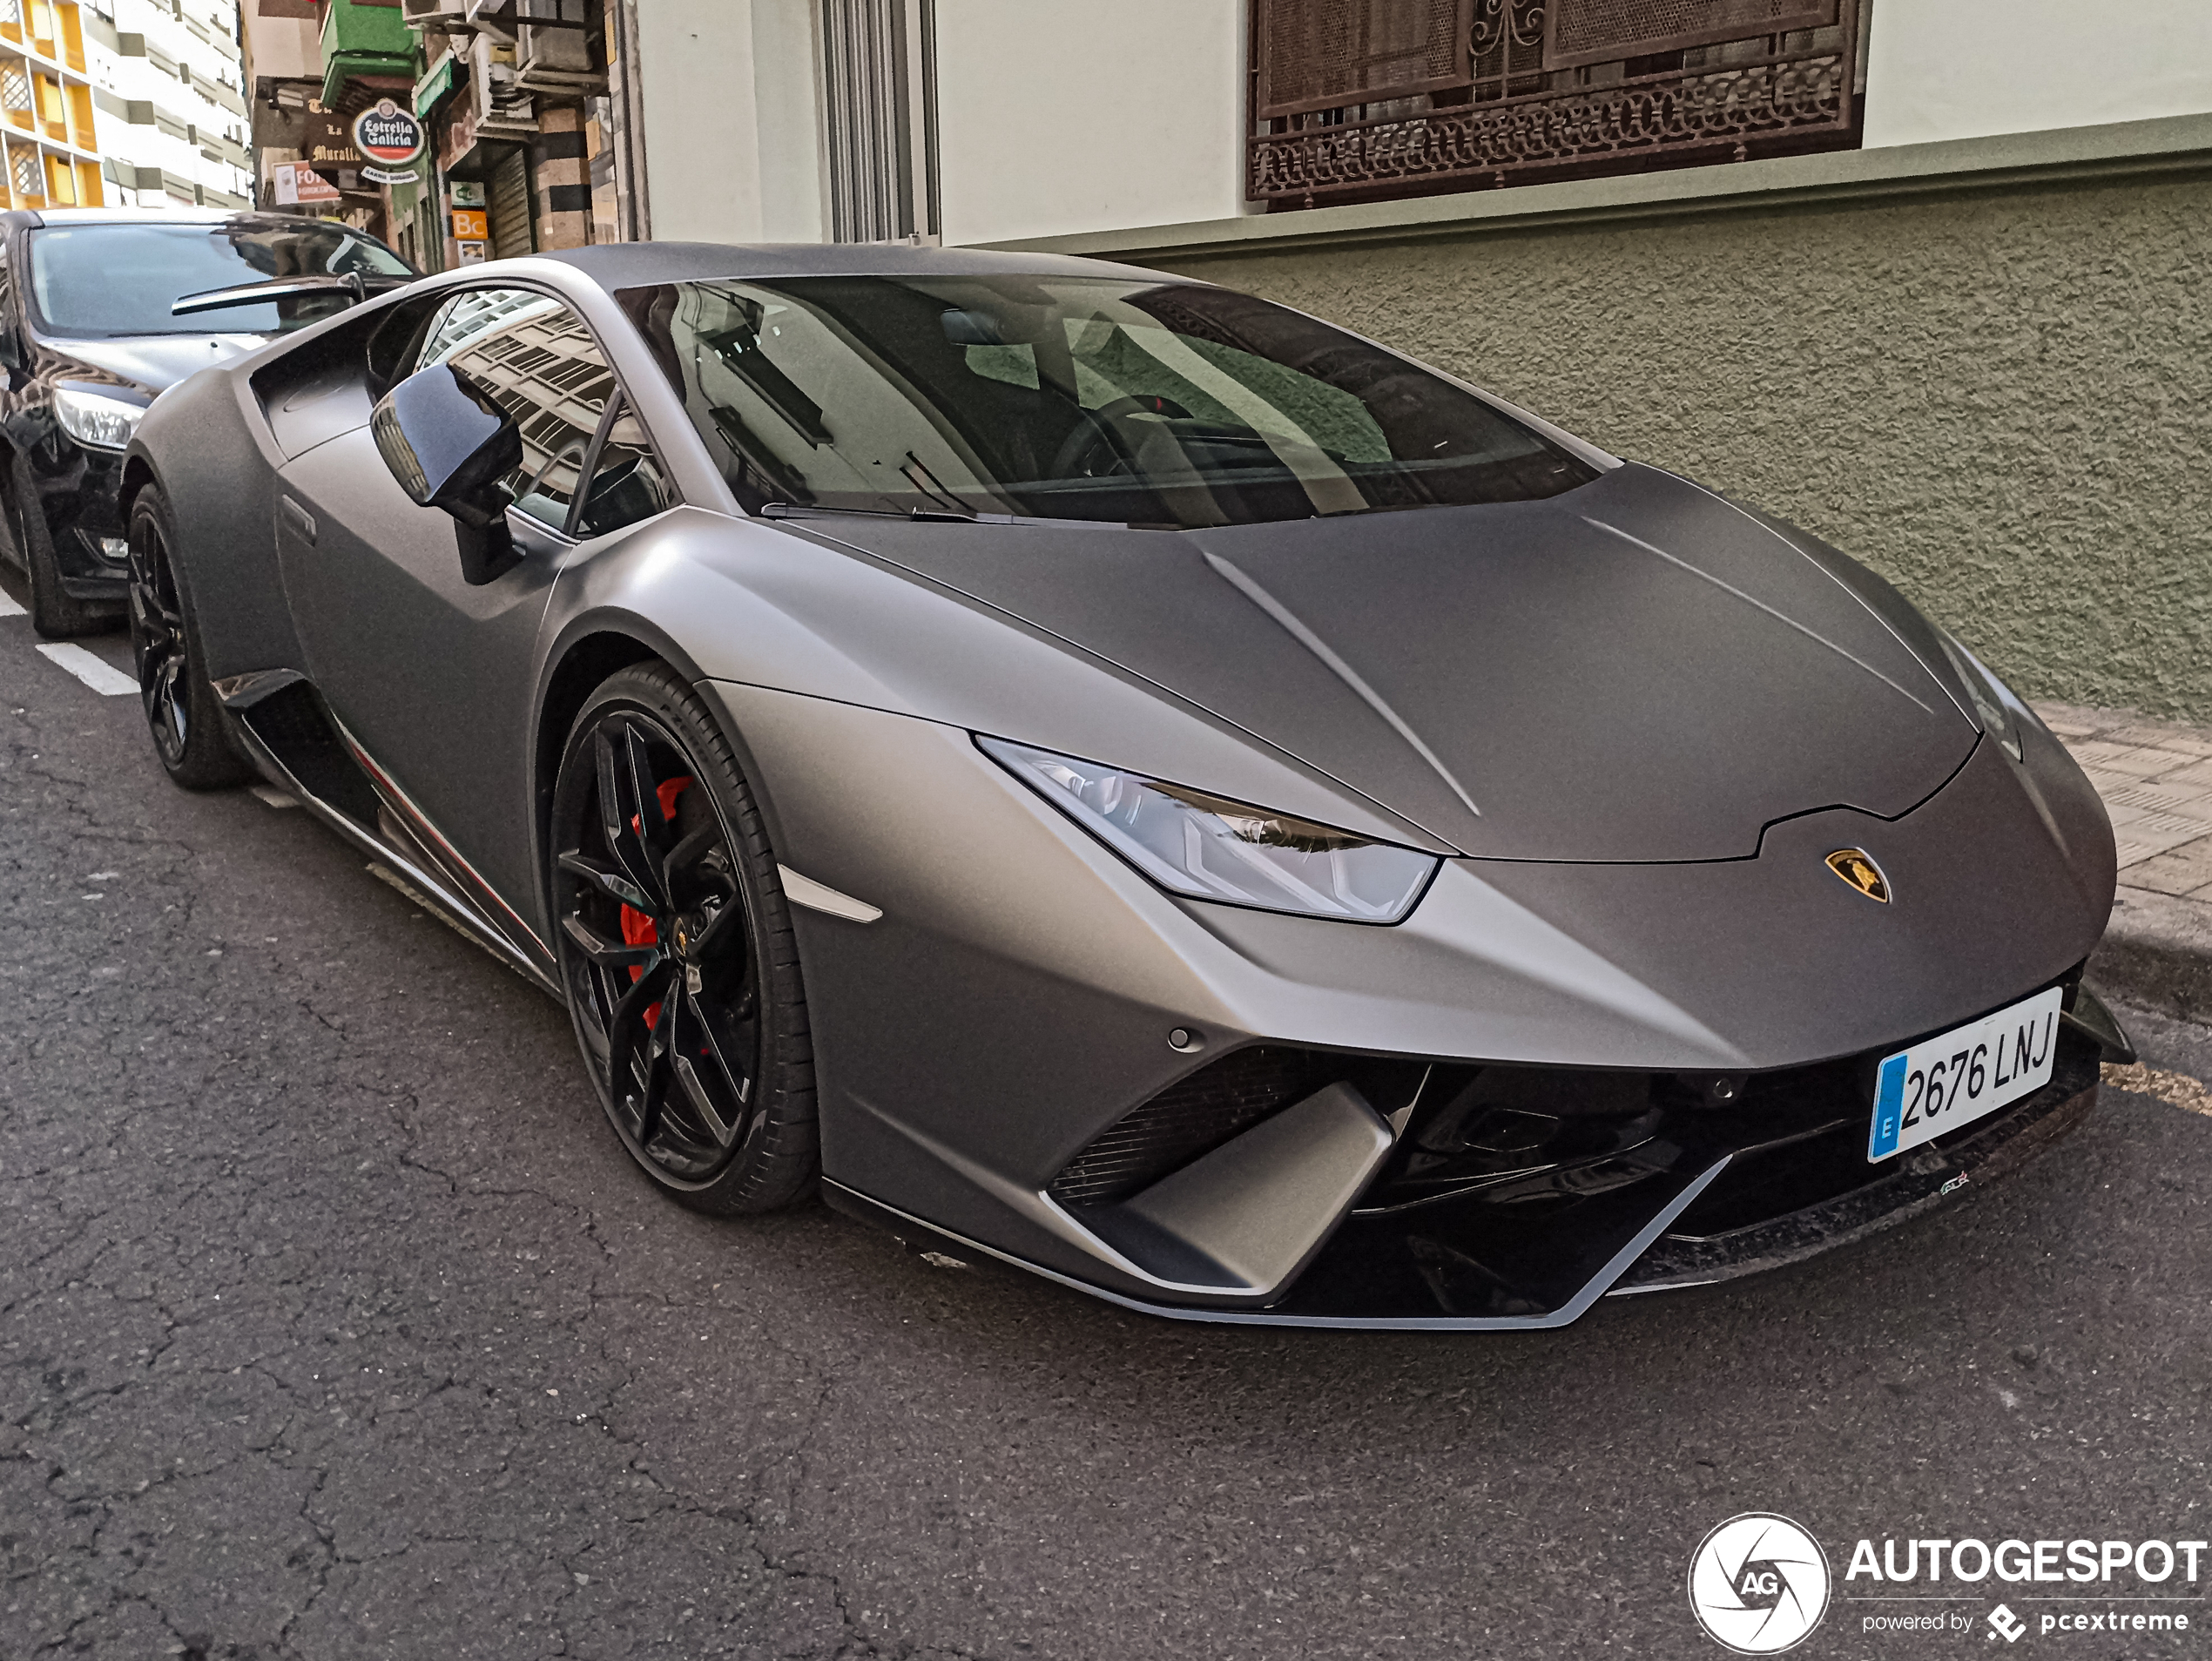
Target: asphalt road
[{"x": 333, "y": 1324}]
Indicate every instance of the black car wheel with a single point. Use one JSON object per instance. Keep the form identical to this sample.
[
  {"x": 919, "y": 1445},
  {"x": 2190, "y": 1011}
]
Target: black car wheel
[
  {"x": 191, "y": 733},
  {"x": 53, "y": 613},
  {"x": 677, "y": 951}
]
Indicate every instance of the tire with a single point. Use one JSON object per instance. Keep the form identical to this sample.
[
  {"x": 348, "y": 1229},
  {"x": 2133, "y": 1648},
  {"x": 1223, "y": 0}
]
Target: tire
[
  {"x": 53, "y": 613},
  {"x": 191, "y": 729},
  {"x": 688, "y": 1008}
]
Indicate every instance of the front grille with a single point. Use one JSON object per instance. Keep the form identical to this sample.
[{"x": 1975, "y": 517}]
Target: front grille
[{"x": 1192, "y": 1116}]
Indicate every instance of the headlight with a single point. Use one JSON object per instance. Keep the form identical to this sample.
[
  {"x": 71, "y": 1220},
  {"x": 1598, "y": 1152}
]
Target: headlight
[
  {"x": 1995, "y": 706},
  {"x": 92, "y": 418},
  {"x": 1198, "y": 845}
]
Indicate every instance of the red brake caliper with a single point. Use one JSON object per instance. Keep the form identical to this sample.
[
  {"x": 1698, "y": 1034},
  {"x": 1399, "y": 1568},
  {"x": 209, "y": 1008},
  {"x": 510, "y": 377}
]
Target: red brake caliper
[{"x": 638, "y": 930}]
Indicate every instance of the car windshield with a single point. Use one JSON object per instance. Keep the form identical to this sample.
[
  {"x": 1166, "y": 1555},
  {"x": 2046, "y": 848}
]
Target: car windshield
[
  {"x": 109, "y": 279},
  {"x": 1168, "y": 403}
]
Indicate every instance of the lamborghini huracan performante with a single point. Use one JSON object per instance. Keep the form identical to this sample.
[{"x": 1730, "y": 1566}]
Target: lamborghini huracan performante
[{"x": 1095, "y": 771}]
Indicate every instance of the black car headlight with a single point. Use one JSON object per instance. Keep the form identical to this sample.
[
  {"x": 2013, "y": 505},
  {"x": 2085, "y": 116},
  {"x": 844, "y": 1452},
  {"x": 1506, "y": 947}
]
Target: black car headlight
[
  {"x": 94, "y": 418},
  {"x": 1996, "y": 706},
  {"x": 1209, "y": 849}
]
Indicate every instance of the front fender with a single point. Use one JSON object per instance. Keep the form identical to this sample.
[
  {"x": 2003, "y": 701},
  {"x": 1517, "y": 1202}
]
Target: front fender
[{"x": 205, "y": 445}]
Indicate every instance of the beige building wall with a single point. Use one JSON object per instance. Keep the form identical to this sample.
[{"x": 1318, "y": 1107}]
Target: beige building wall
[
  {"x": 731, "y": 122},
  {"x": 1058, "y": 116},
  {"x": 1968, "y": 68}
]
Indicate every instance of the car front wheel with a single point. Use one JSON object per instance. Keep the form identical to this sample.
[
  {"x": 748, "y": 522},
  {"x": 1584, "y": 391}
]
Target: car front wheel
[
  {"x": 677, "y": 952},
  {"x": 191, "y": 733}
]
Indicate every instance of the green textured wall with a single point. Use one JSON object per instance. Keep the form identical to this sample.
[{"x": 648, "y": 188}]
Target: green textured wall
[{"x": 1999, "y": 400}]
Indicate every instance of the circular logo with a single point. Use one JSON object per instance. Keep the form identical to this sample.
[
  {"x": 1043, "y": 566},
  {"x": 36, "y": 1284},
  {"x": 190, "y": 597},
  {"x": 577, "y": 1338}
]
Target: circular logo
[
  {"x": 385, "y": 132},
  {"x": 1758, "y": 1583}
]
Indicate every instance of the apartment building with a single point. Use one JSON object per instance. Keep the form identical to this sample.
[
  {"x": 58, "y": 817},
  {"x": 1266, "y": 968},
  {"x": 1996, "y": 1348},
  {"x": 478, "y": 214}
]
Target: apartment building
[
  {"x": 47, "y": 124},
  {"x": 169, "y": 90}
]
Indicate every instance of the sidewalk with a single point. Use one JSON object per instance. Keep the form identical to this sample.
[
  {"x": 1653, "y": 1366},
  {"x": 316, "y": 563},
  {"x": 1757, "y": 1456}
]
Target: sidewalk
[{"x": 2156, "y": 781}]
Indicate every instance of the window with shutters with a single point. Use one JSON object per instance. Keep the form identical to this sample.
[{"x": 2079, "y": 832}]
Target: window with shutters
[{"x": 1363, "y": 100}]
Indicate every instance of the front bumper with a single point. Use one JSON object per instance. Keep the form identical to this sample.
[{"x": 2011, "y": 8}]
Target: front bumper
[
  {"x": 1690, "y": 1204},
  {"x": 1023, "y": 993},
  {"x": 79, "y": 497}
]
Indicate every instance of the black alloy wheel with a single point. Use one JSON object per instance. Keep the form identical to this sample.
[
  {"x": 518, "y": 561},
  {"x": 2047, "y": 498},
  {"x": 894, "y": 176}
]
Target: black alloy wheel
[
  {"x": 677, "y": 951},
  {"x": 191, "y": 733}
]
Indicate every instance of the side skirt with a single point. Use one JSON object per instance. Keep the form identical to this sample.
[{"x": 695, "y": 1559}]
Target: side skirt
[{"x": 289, "y": 735}]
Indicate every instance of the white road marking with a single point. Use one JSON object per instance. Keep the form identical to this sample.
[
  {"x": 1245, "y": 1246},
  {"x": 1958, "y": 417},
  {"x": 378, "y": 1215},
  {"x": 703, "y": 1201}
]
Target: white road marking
[
  {"x": 10, "y": 608},
  {"x": 103, "y": 678},
  {"x": 274, "y": 798}
]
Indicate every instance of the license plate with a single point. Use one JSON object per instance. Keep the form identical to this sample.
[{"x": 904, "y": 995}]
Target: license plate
[{"x": 1941, "y": 1083}]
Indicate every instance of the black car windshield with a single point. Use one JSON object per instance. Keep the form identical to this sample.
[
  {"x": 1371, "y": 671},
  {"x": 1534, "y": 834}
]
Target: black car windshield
[
  {"x": 1171, "y": 404},
  {"x": 120, "y": 279}
]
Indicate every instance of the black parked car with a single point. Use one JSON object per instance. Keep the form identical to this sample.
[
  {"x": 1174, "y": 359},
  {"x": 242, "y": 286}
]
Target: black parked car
[{"x": 100, "y": 310}]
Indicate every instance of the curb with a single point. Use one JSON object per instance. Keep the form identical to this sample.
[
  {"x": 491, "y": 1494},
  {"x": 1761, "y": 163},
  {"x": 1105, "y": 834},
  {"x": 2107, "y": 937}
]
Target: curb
[{"x": 2156, "y": 954}]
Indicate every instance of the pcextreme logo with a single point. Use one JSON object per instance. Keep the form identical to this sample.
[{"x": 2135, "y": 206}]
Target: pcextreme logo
[{"x": 1758, "y": 1583}]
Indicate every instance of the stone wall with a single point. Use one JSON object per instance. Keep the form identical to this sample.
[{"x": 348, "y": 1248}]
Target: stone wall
[{"x": 1998, "y": 399}]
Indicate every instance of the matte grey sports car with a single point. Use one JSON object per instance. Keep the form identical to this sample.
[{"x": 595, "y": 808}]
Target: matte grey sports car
[{"x": 1100, "y": 772}]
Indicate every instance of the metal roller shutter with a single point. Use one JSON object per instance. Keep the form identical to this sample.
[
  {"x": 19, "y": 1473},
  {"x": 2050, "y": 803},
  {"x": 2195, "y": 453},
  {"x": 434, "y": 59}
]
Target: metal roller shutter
[{"x": 508, "y": 202}]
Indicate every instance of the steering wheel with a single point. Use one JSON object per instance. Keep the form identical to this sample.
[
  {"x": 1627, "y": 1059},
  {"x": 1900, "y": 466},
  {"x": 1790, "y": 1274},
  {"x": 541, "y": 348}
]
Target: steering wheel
[{"x": 1077, "y": 455}]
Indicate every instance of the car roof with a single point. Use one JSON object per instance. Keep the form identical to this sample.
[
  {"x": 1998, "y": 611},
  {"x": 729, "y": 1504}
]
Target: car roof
[
  {"x": 635, "y": 265},
  {"x": 59, "y": 216}
]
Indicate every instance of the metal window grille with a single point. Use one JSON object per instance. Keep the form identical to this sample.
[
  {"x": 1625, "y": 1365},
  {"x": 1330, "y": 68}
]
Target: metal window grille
[
  {"x": 23, "y": 166},
  {"x": 880, "y": 77},
  {"x": 1363, "y": 100},
  {"x": 1318, "y": 56},
  {"x": 15, "y": 90},
  {"x": 11, "y": 11}
]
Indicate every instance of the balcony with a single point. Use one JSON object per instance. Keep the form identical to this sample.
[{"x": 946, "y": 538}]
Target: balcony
[
  {"x": 52, "y": 29},
  {"x": 1365, "y": 100},
  {"x": 361, "y": 41}
]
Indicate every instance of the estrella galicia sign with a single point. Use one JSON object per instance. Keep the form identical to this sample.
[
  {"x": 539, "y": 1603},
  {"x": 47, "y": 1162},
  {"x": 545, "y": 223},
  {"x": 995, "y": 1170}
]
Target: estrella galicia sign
[{"x": 385, "y": 132}]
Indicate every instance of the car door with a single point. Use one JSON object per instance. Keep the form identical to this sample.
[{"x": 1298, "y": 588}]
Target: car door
[{"x": 430, "y": 676}]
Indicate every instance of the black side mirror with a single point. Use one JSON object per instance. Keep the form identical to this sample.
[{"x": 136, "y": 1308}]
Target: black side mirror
[{"x": 448, "y": 444}]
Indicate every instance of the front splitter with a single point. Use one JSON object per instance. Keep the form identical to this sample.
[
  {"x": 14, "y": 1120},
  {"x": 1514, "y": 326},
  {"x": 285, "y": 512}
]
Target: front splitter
[{"x": 1926, "y": 1179}]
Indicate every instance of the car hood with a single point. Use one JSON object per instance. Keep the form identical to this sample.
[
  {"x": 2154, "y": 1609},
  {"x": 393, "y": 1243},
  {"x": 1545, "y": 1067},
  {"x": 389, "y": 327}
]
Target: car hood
[
  {"x": 152, "y": 362},
  {"x": 1634, "y": 670}
]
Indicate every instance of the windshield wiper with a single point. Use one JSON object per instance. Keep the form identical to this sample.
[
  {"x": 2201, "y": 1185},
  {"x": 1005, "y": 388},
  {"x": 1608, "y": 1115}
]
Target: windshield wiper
[
  {"x": 261, "y": 294},
  {"x": 925, "y": 515}
]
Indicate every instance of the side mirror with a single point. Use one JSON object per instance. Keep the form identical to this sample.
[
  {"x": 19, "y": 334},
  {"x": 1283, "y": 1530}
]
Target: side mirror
[{"x": 449, "y": 444}]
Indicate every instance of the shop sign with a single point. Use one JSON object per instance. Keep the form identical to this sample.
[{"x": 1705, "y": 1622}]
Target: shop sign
[
  {"x": 472, "y": 253},
  {"x": 471, "y": 223},
  {"x": 468, "y": 192},
  {"x": 294, "y": 184},
  {"x": 386, "y": 134},
  {"x": 328, "y": 142}
]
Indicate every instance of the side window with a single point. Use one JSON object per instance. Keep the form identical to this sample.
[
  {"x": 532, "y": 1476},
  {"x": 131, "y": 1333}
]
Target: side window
[
  {"x": 543, "y": 367},
  {"x": 627, "y": 483}
]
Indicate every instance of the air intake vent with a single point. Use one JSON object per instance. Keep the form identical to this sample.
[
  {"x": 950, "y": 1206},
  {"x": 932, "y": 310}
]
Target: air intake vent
[{"x": 1193, "y": 1116}]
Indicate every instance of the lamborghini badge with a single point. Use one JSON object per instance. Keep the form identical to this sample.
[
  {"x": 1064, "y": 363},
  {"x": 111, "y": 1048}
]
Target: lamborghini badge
[{"x": 1857, "y": 867}]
